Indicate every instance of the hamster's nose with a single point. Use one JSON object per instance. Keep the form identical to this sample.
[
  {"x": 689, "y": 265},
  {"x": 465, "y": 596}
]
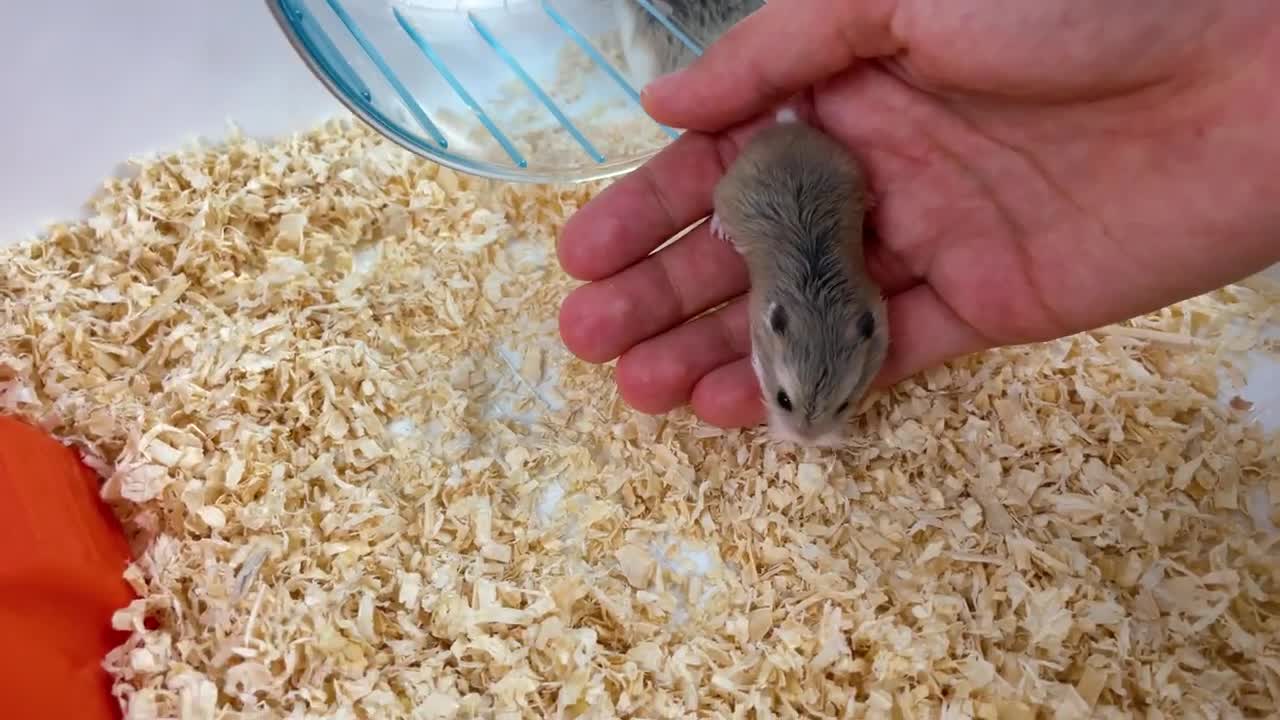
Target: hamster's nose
[
  {"x": 829, "y": 439},
  {"x": 818, "y": 435}
]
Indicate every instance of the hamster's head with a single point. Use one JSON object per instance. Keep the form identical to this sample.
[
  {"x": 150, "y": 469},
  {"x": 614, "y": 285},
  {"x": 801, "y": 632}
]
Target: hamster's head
[{"x": 815, "y": 365}]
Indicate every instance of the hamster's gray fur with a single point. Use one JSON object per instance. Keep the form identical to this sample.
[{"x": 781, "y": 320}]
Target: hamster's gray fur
[
  {"x": 650, "y": 49},
  {"x": 793, "y": 204}
]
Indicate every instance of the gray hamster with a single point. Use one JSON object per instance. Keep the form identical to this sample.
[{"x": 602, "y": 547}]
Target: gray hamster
[
  {"x": 793, "y": 204},
  {"x": 650, "y": 49}
]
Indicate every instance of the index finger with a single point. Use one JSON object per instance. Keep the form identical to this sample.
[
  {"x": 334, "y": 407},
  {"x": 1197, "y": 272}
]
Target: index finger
[
  {"x": 643, "y": 209},
  {"x": 650, "y": 205},
  {"x": 773, "y": 53}
]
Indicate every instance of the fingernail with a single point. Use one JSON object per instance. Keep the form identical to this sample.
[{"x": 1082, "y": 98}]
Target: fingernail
[{"x": 658, "y": 84}]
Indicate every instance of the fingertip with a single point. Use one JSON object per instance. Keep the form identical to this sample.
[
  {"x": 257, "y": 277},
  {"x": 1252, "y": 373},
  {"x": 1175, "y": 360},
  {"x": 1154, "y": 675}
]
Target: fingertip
[
  {"x": 730, "y": 397},
  {"x": 652, "y": 382},
  {"x": 568, "y": 251},
  {"x": 585, "y": 242},
  {"x": 587, "y": 322},
  {"x": 654, "y": 96}
]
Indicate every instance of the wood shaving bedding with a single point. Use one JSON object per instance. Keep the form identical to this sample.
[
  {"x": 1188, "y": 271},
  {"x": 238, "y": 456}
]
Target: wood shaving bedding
[
  {"x": 612, "y": 122},
  {"x": 363, "y": 479}
]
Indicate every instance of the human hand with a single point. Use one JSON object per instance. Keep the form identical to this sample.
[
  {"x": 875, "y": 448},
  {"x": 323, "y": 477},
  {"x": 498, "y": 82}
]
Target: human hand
[{"x": 1039, "y": 168}]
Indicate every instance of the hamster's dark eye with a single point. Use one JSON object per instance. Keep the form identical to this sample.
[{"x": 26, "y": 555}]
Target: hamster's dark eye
[
  {"x": 784, "y": 402},
  {"x": 843, "y": 406},
  {"x": 866, "y": 325}
]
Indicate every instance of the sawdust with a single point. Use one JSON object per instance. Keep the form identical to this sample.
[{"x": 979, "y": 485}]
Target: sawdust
[
  {"x": 364, "y": 480},
  {"x": 608, "y": 119}
]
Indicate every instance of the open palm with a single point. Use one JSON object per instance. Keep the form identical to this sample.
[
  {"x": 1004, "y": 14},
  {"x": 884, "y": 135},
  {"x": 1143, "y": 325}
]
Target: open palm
[{"x": 1039, "y": 169}]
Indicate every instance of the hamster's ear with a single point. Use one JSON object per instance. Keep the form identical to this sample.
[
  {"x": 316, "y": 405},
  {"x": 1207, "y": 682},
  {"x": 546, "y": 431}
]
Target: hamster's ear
[{"x": 776, "y": 317}]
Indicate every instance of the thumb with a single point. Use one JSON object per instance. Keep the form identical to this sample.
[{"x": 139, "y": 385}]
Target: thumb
[{"x": 774, "y": 53}]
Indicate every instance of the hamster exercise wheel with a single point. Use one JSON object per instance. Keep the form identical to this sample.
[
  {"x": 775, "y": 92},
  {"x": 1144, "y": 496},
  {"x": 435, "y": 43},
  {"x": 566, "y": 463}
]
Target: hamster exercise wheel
[{"x": 515, "y": 90}]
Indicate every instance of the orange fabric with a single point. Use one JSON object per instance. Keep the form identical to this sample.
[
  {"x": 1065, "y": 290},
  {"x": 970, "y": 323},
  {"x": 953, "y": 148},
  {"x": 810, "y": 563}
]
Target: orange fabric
[{"x": 62, "y": 553}]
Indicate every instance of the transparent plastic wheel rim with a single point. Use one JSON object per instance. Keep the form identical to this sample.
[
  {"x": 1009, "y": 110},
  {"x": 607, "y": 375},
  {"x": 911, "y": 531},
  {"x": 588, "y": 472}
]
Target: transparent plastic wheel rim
[{"x": 429, "y": 75}]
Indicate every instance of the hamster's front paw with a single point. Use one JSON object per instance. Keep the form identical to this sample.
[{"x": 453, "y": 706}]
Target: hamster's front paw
[{"x": 718, "y": 230}]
